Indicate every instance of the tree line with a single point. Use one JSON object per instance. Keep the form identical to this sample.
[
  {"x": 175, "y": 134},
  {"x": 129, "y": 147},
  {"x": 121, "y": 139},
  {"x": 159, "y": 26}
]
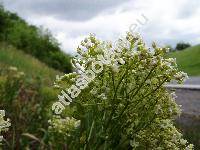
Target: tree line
[{"x": 179, "y": 46}]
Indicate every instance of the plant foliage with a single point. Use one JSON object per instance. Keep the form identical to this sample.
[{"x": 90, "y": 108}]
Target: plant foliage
[{"x": 127, "y": 105}]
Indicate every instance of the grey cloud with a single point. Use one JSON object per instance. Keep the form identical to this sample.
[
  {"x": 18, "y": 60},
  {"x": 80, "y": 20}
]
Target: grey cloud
[
  {"x": 153, "y": 32},
  {"x": 75, "y": 10},
  {"x": 189, "y": 9}
]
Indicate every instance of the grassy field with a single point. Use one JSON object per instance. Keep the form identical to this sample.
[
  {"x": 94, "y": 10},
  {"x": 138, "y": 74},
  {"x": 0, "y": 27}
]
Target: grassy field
[
  {"x": 10, "y": 56},
  {"x": 188, "y": 60}
]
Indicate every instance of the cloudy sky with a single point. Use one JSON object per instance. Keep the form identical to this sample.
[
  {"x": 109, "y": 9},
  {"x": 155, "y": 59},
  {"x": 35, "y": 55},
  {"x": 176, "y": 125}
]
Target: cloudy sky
[{"x": 163, "y": 21}]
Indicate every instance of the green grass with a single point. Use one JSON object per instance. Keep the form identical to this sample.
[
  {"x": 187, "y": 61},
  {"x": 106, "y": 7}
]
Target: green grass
[
  {"x": 10, "y": 56},
  {"x": 188, "y": 60}
]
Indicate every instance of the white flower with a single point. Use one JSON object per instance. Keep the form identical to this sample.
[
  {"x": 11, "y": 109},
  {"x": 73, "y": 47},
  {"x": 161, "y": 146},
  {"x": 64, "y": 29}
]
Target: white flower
[
  {"x": 190, "y": 147},
  {"x": 103, "y": 96},
  {"x": 134, "y": 71},
  {"x": 77, "y": 124},
  {"x": 121, "y": 61},
  {"x": 154, "y": 62},
  {"x": 181, "y": 76},
  {"x": 56, "y": 86},
  {"x": 115, "y": 68},
  {"x": 13, "y": 68},
  {"x": 2, "y": 113},
  {"x": 4, "y": 124},
  {"x": 93, "y": 91},
  {"x": 183, "y": 142}
]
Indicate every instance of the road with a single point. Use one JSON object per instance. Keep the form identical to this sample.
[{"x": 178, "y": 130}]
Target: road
[{"x": 188, "y": 95}]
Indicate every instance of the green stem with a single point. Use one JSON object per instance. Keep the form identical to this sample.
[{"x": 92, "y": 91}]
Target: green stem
[{"x": 89, "y": 136}]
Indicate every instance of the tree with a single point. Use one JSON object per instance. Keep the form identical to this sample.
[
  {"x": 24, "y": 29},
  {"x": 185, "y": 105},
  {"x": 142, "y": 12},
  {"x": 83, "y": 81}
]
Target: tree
[{"x": 182, "y": 46}]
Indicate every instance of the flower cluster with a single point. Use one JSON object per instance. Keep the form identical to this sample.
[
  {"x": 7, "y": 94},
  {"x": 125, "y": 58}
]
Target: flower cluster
[
  {"x": 126, "y": 104},
  {"x": 161, "y": 135},
  {"x": 85, "y": 76},
  {"x": 63, "y": 125},
  {"x": 4, "y": 124}
]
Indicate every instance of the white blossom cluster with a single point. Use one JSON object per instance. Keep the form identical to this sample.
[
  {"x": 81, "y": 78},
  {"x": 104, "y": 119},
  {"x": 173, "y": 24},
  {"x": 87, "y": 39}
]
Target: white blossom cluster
[
  {"x": 108, "y": 57},
  {"x": 4, "y": 124},
  {"x": 63, "y": 125},
  {"x": 162, "y": 129},
  {"x": 125, "y": 102}
]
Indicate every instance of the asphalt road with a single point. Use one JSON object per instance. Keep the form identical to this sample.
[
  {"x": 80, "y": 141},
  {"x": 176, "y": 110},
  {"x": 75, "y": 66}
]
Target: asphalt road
[
  {"x": 188, "y": 96},
  {"x": 190, "y": 101}
]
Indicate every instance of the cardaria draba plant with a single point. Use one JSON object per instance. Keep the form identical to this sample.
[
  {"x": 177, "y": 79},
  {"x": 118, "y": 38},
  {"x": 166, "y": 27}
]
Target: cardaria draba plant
[
  {"x": 4, "y": 124},
  {"x": 126, "y": 105}
]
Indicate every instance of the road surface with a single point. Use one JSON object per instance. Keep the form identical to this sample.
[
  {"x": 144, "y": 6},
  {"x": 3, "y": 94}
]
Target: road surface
[{"x": 188, "y": 95}]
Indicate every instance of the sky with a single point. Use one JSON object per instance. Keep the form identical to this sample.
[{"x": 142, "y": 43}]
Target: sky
[{"x": 70, "y": 21}]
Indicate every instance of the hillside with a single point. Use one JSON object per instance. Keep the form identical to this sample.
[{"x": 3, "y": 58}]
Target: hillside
[
  {"x": 188, "y": 60},
  {"x": 33, "y": 40},
  {"x": 10, "y": 56}
]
